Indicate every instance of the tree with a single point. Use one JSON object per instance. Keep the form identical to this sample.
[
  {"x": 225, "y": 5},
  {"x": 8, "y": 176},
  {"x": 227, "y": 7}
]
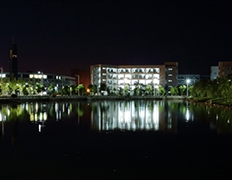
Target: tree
[
  {"x": 72, "y": 89},
  {"x": 190, "y": 89},
  {"x": 80, "y": 89},
  {"x": 25, "y": 90},
  {"x": 65, "y": 90},
  {"x": 148, "y": 89},
  {"x": 51, "y": 89},
  {"x": 182, "y": 89},
  {"x": 161, "y": 90},
  {"x": 126, "y": 89},
  {"x": 103, "y": 88},
  {"x": 174, "y": 91},
  {"x": 136, "y": 90},
  {"x": 92, "y": 88},
  {"x": 114, "y": 92},
  {"x": 120, "y": 91},
  {"x": 200, "y": 88},
  {"x": 142, "y": 89}
]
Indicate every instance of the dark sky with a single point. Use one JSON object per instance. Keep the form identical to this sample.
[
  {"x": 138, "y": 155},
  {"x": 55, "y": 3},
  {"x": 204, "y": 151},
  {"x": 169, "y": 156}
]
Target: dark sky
[{"x": 57, "y": 36}]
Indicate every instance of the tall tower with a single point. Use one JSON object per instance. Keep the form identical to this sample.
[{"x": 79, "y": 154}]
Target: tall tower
[{"x": 13, "y": 63}]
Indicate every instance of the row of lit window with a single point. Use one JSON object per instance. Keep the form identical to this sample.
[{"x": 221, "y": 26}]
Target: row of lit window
[{"x": 132, "y": 70}]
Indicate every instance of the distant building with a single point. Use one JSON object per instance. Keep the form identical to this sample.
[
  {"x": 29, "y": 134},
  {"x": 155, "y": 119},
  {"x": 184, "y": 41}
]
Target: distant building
[
  {"x": 224, "y": 68},
  {"x": 45, "y": 79},
  {"x": 13, "y": 62},
  {"x": 206, "y": 77},
  {"x": 213, "y": 72},
  {"x": 117, "y": 76},
  {"x": 182, "y": 79}
]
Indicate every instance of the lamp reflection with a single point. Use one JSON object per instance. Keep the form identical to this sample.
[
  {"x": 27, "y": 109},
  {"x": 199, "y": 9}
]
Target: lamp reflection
[
  {"x": 188, "y": 115},
  {"x": 2, "y": 119}
]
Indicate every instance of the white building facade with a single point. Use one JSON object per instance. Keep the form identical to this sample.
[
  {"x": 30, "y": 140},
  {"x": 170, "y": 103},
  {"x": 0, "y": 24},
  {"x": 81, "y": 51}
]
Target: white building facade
[{"x": 117, "y": 76}]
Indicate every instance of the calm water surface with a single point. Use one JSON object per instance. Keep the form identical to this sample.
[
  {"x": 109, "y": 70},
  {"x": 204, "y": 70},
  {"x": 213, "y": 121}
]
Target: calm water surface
[{"x": 115, "y": 140}]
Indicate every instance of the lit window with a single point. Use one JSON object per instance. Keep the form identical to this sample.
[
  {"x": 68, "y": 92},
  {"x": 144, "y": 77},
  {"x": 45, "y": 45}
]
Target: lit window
[{"x": 45, "y": 76}]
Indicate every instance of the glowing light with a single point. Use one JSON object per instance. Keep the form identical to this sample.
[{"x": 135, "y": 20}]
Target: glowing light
[
  {"x": 36, "y": 107},
  {"x": 45, "y": 116},
  {"x": 39, "y": 127},
  {"x": 32, "y": 117},
  {"x": 187, "y": 115}
]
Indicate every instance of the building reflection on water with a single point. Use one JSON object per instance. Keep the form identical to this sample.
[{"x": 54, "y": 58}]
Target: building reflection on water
[
  {"x": 37, "y": 113},
  {"x": 133, "y": 116},
  {"x": 140, "y": 115}
]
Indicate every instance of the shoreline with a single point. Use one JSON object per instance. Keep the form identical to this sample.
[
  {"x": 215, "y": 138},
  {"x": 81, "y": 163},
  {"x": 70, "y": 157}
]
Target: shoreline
[
  {"x": 211, "y": 103},
  {"x": 8, "y": 99}
]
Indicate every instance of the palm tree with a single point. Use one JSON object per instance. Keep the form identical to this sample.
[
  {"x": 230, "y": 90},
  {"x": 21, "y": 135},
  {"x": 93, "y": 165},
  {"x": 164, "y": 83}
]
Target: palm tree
[
  {"x": 80, "y": 89},
  {"x": 174, "y": 91},
  {"x": 65, "y": 90},
  {"x": 51, "y": 89},
  {"x": 161, "y": 90},
  {"x": 182, "y": 89},
  {"x": 149, "y": 89},
  {"x": 136, "y": 90},
  {"x": 126, "y": 89}
]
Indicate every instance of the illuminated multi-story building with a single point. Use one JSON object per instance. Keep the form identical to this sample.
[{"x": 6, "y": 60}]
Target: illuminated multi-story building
[
  {"x": 116, "y": 76},
  {"x": 44, "y": 79}
]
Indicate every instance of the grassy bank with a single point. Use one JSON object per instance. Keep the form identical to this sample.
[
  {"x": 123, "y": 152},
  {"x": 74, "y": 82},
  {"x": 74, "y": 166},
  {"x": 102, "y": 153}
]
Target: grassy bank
[{"x": 213, "y": 101}]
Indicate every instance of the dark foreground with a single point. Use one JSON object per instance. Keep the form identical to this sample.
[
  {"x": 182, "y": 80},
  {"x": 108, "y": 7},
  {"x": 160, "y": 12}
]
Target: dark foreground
[{"x": 116, "y": 155}]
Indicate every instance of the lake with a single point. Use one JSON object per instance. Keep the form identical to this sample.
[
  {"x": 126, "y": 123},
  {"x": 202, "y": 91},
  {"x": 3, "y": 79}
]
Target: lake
[{"x": 150, "y": 139}]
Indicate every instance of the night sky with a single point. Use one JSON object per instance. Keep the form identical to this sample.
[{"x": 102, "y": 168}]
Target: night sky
[{"x": 57, "y": 36}]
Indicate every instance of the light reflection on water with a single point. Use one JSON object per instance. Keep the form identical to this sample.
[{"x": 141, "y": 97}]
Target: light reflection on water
[
  {"x": 62, "y": 139},
  {"x": 132, "y": 115},
  {"x": 120, "y": 115}
]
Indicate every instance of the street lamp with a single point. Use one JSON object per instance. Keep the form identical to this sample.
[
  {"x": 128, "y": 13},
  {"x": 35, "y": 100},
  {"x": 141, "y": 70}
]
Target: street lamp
[{"x": 187, "y": 82}]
